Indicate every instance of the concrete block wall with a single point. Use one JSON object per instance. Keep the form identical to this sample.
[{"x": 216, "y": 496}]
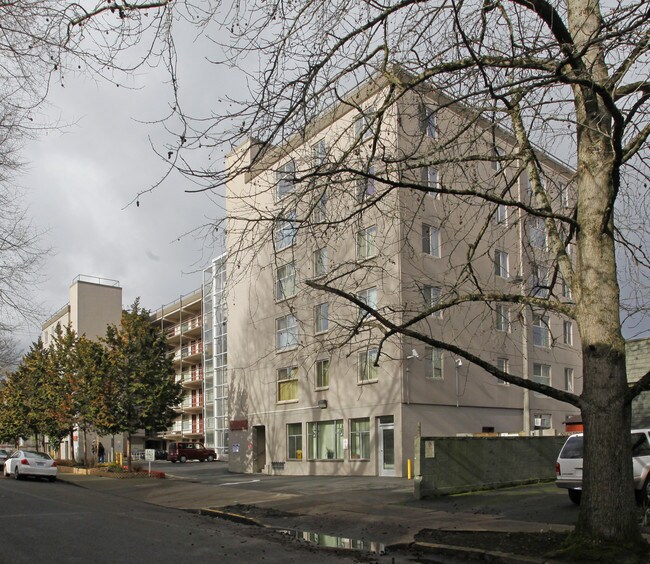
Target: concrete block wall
[{"x": 446, "y": 465}]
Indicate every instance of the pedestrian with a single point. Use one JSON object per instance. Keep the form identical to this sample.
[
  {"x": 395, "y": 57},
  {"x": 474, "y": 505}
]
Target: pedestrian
[{"x": 100, "y": 452}]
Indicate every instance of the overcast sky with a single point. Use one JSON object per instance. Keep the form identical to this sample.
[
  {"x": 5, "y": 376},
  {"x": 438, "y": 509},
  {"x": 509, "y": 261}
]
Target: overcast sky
[{"x": 78, "y": 184}]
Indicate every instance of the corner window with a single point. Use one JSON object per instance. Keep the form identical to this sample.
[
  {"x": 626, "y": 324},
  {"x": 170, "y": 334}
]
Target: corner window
[
  {"x": 502, "y": 313},
  {"x": 286, "y": 332},
  {"x": 433, "y": 363},
  {"x": 367, "y": 371},
  {"x": 430, "y": 240},
  {"x": 498, "y": 160},
  {"x": 501, "y": 266},
  {"x": 432, "y": 299},
  {"x": 288, "y": 384},
  {"x": 428, "y": 121},
  {"x": 501, "y": 214},
  {"x": 285, "y": 180},
  {"x": 294, "y": 441},
  {"x": 321, "y": 318},
  {"x": 360, "y": 439},
  {"x": 322, "y": 373},
  {"x": 325, "y": 440},
  {"x": 503, "y": 365}
]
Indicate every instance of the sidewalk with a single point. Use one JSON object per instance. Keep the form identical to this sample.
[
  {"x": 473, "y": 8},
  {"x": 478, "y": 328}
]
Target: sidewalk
[{"x": 381, "y": 510}]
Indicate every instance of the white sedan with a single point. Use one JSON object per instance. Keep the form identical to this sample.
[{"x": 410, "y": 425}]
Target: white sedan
[{"x": 24, "y": 463}]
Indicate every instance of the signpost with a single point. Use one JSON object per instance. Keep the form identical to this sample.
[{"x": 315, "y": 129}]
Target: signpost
[{"x": 149, "y": 456}]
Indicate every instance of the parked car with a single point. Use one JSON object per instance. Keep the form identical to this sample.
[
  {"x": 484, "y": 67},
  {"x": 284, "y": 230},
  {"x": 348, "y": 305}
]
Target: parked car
[
  {"x": 183, "y": 452},
  {"x": 568, "y": 469},
  {"x": 24, "y": 463},
  {"x": 161, "y": 455},
  {"x": 4, "y": 454}
]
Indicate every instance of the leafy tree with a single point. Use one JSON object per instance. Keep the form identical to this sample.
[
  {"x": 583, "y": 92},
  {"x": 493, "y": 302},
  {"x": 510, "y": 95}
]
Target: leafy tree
[{"x": 140, "y": 376}]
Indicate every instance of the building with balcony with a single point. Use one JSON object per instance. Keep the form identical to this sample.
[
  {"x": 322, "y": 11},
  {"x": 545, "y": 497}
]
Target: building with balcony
[
  {"x": 181, "y": 322},
  {"x": 316, "y": 386}
]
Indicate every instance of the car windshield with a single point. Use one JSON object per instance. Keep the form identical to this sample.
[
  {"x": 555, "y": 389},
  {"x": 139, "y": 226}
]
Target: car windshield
[
  {"x": 34, "y": 454},
  {"x": 572, "y": 448}
]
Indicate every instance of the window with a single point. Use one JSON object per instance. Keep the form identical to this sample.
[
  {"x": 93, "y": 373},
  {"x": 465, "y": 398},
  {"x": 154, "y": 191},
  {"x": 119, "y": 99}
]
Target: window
[
  {"x": 563, "y": 190},
  {"x": 432, "y": 363},
  {"x": 430, "y": 240},
  {"x": 537, "y": 232},
  {"x": 501, "y": 214},
  {"x": 323, "y": 373},
  {"x": 429, "y": 121},
  {"x": 319, "y": 153},
  {"x": 321, "y": 263},
  {"x": 568, "y": 333},
  {"x": 541, "y": 333},
  {"x": 432, "y": 299},
  {"x": 503, "y": 365},
  {"x": 640, "y": 444},
  {"x": 429, "y": 178},
  {"x": 542, "y": 421},
  {"x": 540, "y": 281},
  {"x": 325, "y": 440},
  {"x": 286, "y": 332},
  {"x": 288, "y": 384},
  {"x": 368, "y": 297},
  {"x": 368, "y": 372},
  {"x": 566, "y": 290},
  {"x": 320, "y": 209},
  {"x": 285, "y": 281},
  {"x": 321, "y": 318},
  {"x": 285, "y": 180},
  {"x": 568, "y": 379},
  {"x": 360, "y": 439},
  {"x": 502, "y": 322},
  {"x": 365, "y": 124},
  {"x": 366, "y": 185},
  {"x": 501, "y": 267},
  {"x": 367, "y": 243},
  {"x": 542, "y": 374},
  {"x": 285, "y": 232},
  {"x": 294, "y": 441},
  {"x": 497, "y": 162}
]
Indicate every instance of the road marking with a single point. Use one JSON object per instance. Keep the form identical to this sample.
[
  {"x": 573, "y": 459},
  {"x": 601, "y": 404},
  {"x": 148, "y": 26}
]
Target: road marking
[{"x": 238, "y": 483}]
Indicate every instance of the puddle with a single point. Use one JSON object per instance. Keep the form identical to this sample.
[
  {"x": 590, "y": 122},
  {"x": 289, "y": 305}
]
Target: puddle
[{"x": 332, "y": 541}]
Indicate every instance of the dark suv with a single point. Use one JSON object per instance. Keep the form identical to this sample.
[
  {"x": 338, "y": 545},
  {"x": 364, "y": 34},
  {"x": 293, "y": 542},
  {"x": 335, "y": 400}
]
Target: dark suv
[{"x": 189, "y": 451}]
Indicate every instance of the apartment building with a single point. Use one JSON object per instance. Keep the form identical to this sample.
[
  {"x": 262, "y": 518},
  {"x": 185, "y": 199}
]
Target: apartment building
[
  {"x": 181, "y": 321},
  {"x": 94, "y": 303},
  {"x": 316, "y": 385}
]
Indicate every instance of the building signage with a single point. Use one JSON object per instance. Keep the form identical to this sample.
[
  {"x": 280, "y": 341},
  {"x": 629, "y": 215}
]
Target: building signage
[{"x": 239, "y": 424}]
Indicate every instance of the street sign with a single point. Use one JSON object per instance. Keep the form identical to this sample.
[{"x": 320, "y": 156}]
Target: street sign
[{"x": 150, "y": 454}]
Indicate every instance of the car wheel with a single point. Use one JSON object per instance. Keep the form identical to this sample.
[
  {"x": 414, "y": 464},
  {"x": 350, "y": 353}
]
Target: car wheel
[
  {"x": 16, "y": 474},
  {"x": 183, "y": 458},
  {"x": 575, "y": 495},
  {"x": 201, "y": 459},
  {"x": 210, "y": 458}
]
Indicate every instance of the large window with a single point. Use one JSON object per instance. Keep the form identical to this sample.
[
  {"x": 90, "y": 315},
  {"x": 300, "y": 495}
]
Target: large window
[
  {"x": 430, "y": 240},
  {"x": 285, "y": 232},
  {"x": 432, "y": 299},
  {"x": 325, "y": 440},
  {"x": 288, "y": 384},
  {"x": 433, "y": 363},
  {"x": 501, "y": 267},
  {"x": 541, "y": 332},
  {"x": 285, "y": 281},
  {"x": 294, "y": 441},
  {"x": 367, "y": 371},
  {"x": 285, "y": 180},
  {"x": 502, "y": 320},
  {"x": 366, "y": 243},
  {"x": 321, "y": 318},
  {"x": 368, "y": 297},
  {"x": 360, "y": 439},
  {"x": 286, "y": 332},
  {"x": 321, "y": 262},
  {"x": 323, "y": 373},
  {"x": 537, "y": 232}
]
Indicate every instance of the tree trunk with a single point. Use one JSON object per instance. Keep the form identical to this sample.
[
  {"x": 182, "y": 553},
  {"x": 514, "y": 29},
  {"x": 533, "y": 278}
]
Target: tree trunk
[{"x": 129, "y": 466}]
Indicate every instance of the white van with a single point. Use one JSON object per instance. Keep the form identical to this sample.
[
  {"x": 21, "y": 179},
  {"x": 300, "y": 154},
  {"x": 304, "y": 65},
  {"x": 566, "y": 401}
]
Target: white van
[{"x": 568, "y": 469}]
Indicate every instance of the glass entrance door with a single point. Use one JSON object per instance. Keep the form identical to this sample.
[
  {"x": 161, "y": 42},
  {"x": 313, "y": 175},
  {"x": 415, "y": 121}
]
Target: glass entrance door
[{"x": 386, "y": 445}]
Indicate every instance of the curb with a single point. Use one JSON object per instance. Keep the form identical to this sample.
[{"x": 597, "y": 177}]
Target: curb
[
  {"x": 234, "y": 517},
  {"x": 478, "y": 554}
]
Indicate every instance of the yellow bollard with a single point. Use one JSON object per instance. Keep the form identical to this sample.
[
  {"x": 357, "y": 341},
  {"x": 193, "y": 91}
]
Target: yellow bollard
[{"x": 409, "y": 469}]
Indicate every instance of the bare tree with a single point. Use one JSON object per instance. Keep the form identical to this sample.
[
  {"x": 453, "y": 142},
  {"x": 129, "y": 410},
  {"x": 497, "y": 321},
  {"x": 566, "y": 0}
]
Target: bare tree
[{"x": 523, "y": 74}]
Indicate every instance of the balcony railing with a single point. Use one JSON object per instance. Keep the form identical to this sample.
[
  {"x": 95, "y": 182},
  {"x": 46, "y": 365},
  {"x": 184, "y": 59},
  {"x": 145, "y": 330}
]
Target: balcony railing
[{"x": 182, "y": 328}]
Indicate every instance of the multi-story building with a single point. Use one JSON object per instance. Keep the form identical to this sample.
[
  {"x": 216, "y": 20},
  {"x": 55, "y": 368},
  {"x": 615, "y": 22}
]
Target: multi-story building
[
  {"x": 94, "y": 304},
  {"x": 181, "y": 322},
  {"x": 316, "y": 386}
]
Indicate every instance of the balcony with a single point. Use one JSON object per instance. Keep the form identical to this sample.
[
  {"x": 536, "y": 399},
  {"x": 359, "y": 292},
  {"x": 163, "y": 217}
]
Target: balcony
[
  {"x": 189, "y": 353},
  {"x": 193, "y": 405},
  {"x": 191, "y": 378},
  {"x": 189, "y": 328}
]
